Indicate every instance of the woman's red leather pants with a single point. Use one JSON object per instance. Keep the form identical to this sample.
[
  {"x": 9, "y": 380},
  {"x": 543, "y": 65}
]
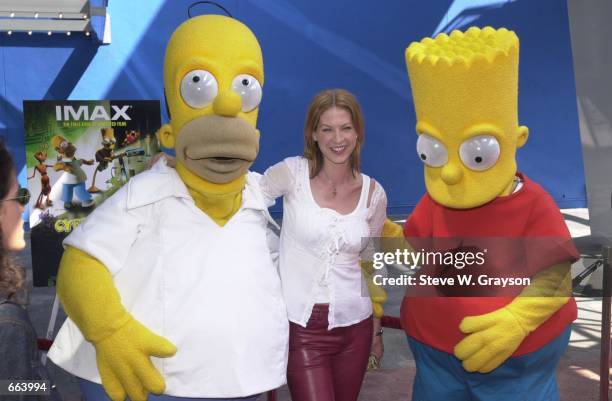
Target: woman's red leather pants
[{"x": 327, "y": 365}]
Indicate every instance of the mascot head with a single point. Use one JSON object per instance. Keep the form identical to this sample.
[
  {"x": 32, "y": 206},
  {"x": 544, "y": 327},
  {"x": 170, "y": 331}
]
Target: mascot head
[
  {"x": 465, "y": 89},
  {"x": 213, "y": 78}
]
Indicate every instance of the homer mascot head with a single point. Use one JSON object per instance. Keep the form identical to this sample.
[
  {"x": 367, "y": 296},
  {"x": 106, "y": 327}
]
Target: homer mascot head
[
  {"x": 465, "y": 89},
  {"x": 213, "y": 78}
]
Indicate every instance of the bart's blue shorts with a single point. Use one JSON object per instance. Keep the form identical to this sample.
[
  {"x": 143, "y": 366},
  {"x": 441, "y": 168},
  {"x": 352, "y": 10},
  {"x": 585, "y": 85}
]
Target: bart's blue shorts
[{"x": 530, "y": 377}]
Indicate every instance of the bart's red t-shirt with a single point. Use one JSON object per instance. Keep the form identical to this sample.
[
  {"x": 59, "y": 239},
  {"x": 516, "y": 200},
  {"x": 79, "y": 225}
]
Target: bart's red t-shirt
[{"x": 528, "y": 213}]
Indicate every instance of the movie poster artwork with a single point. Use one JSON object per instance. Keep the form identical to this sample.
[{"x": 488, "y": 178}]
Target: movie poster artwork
[{"x": 78, "y": 154}]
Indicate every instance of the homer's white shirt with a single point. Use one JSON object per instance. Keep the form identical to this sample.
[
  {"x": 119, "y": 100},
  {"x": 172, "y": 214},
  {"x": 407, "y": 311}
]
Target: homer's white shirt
[{"x": 212, "y": 291}]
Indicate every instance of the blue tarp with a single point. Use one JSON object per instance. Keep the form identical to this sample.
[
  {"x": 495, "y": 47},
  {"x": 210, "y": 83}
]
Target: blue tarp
[{"x": 313, "y": 45}]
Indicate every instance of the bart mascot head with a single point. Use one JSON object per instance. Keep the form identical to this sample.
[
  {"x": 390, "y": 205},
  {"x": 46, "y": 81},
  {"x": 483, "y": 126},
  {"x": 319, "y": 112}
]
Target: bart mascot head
[
  {"x": 465, "y": 89},
  {"x": 213, "y": 89}
]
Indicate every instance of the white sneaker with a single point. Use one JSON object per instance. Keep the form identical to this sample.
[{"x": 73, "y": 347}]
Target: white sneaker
[{"x": 89, "y": 203}]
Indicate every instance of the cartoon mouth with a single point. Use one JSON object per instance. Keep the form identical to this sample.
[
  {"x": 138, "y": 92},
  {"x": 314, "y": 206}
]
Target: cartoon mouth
[
  {"x": 218, "y": 149},
  {"x": 218, "y": 164},
  {"x": 225, "y": 159},
  {"x": 217, "y": 159}
]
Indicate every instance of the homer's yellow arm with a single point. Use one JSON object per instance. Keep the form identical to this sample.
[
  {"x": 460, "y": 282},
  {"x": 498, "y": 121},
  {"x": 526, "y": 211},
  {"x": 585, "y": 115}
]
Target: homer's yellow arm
[
  {"x": 123, "y": 345},
  {"x": 493, "y": 337}
]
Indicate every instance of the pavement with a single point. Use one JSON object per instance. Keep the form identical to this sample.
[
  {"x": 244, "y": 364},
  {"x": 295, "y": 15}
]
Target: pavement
[{"x": 578, "y": 371}]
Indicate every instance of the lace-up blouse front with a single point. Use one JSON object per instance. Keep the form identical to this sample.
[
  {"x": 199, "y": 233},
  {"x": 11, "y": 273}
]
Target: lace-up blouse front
[{"x": 320, "y": 248}]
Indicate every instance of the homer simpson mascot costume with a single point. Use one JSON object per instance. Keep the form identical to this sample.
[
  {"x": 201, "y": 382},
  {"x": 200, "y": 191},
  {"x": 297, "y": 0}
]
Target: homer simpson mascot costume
[
  {"x": 465, "y": 90},
  {"x": 169, "y": 285}
]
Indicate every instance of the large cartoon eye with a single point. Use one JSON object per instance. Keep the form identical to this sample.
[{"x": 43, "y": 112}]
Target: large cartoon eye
[
  {"x": 480, "y": 152},
  {"x": 431, "y": 151},
  {"x": 249, "y": 90},
  {"x": 198, "y": 88}
]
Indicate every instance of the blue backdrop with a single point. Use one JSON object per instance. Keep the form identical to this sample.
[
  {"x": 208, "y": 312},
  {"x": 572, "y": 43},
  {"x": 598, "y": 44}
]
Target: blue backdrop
[{"x": 310, "y": 45}]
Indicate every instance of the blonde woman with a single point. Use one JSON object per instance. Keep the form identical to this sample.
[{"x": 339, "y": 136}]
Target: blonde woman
[{"x": 329, "y": 207}]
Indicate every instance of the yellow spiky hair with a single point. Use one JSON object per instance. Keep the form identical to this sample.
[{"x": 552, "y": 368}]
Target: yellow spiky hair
[
  {"x": 473, "y": 72},
  {"x": 474, "y": 45}
]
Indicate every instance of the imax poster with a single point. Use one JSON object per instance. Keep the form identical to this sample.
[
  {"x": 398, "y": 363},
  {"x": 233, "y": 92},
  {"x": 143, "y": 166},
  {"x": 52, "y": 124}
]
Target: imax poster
[{"x": 78, "y": 154}]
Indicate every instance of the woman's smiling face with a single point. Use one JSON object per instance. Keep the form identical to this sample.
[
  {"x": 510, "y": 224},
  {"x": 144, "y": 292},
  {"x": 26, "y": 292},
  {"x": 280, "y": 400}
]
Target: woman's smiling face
[{"x": 335, "y": 135}]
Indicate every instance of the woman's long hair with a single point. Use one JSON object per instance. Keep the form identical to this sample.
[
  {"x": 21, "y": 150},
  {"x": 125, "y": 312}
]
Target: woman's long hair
[{"x": 12, "y": 277}]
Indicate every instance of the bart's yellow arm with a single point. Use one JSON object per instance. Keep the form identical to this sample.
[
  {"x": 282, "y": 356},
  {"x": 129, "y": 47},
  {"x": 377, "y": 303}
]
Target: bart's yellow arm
[
  {"x": 493, "y": 337},
  {"x": 392, "y": 230},
  {"x": 378, "y": 295},
  {"x": 393, "y": 237},
  {"x": 123, "y": 345}
]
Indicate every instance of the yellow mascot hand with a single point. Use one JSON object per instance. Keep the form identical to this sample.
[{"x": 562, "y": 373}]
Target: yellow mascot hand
[
  {"x": 123, "y": 345},
  {"x": 392, "y": 230},
  {"x": 493, "y": 337},
  {"x": 124, "y": 362},
  {"x": 392, "y": 237},
  {"x": 378, "y": 295}
]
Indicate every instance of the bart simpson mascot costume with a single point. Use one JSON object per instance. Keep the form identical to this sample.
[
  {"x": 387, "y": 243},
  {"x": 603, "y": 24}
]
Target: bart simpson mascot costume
[
  {"x": 465, "y": 90},
  {"x": 169, "y": 285}
]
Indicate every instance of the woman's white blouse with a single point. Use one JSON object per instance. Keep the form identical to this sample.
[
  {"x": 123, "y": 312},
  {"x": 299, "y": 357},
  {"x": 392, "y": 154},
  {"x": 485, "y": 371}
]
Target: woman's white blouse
[{"x": 320, "y": 248}]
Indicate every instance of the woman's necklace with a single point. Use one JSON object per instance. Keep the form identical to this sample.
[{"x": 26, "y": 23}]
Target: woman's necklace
[{"x": 333, "y": 186}]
